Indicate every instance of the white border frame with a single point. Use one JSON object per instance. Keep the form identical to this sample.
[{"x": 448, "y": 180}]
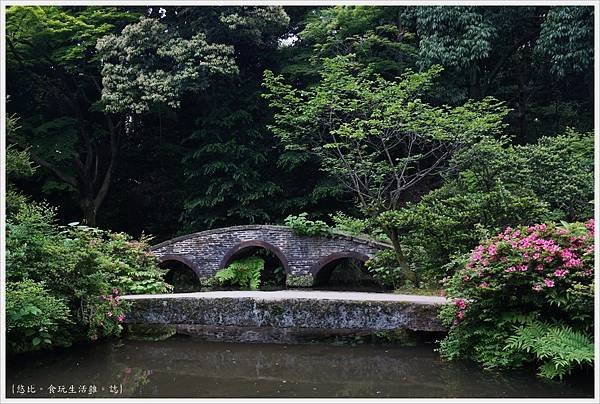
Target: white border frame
[{"x": 5, "y": 3}]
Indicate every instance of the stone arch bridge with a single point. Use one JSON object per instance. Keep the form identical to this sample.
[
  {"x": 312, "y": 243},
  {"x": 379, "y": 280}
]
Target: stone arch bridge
[{"x": 302, "y": 257}]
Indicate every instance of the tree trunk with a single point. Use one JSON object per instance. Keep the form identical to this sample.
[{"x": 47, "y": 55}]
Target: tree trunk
[
  {"x": 404, "y": 267},
  {"x": 475, "y": 83},
  {"x": 89, "y": 211}
]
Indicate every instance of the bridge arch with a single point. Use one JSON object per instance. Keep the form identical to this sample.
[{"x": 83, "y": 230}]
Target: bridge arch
[
  {"x": 256, "y": 243},
  {"x": 180, "y": 272},
  {"x": 323, "y": 268},
  {"x": 164, "y": 259}
]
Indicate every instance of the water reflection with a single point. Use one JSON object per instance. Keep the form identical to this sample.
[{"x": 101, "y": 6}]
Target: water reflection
[{"x": 188, "y": 367}]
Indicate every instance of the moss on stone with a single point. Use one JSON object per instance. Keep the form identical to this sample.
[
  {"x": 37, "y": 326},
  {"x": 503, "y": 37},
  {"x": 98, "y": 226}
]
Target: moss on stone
[{"x": 299, "y": 281}]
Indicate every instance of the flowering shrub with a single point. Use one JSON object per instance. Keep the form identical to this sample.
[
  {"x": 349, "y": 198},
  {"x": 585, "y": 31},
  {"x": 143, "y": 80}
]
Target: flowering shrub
[
  {"x": 105, "y": 317},
  {"x": 70, "y": 267},
  {"x": 538, "y": 276}
]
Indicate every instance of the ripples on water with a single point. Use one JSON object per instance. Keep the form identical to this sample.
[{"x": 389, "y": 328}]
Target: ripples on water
[{"x": 189, "y": 367}]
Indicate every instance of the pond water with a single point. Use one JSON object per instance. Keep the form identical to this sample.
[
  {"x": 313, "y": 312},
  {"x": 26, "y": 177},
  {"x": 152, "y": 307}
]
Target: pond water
[{"x": 189, "y": 367}]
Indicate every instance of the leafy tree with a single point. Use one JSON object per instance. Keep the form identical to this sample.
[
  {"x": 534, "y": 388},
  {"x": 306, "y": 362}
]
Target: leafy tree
[
  {"x": 378, "y": 36},
  {"x": 512, "y": 53},
  {"x": 561, "y": 171},
  {"x": 81, "y": 146},
  {"x": 55, "y": 87},
  {"x": 519, "y": 54},
  {"x": 18, "y": 165},
  {"x": 235, "y": 171},
  {"x": 377, "y": 137},
  {"x": 148, "y": 65},
  {"x": 566, "y": 39}
]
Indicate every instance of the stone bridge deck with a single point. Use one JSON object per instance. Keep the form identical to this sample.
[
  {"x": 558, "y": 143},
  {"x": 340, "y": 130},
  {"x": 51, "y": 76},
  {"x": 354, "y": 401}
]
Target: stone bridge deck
[{"x": 290, "y": 310}]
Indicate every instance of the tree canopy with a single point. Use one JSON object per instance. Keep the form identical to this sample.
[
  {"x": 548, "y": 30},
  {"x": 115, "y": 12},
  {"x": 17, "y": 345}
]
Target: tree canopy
[{"x": 153, "y": 119}]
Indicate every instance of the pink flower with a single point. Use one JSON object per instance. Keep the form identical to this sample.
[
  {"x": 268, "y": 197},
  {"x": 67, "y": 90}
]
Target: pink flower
[
  {"x": 115, "y": 291},
  {"x": 461, "y": 314},
  {"x": 549, "y": 259},
  {"x": 522, "y": 268},
  {"x": 536, "y": 256},
  {"x": 540, "y": 267},
  {"x": 121, "y": 317},
  {"x": 109, "y": 313},
  {"x": 484, "y": 285},
  {"x": 460, "y": 303},
  {"x": 549, "y": 282},
  {"x": 560, "y": 273},
  {"x": 590, "y": 225},
  {"x": 466, "y": 278},
  {"x": 492, "y": 250},
  {"x": 573, "y": 262},
  {"x": 510, "y": 269},
  {"x": 566, "y": 254},
  {"x": 537, "y": 287}
]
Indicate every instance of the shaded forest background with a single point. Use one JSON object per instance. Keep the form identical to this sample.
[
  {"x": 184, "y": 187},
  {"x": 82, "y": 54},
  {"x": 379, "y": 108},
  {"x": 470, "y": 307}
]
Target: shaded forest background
[{"x": 210, "y": 160}]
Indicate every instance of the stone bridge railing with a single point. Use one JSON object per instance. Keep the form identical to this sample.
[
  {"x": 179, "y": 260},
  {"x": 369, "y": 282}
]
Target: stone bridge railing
[{"x": 302, "y": 257}]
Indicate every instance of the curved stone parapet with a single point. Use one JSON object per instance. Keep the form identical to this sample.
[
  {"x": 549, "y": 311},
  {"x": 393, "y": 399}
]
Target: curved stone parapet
[{"x": 302, "y": 257}]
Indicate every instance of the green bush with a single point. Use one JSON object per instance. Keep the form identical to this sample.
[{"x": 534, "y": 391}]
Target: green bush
[
  {"x": 562, "y": 173},
  {"x": 244, "y": 273},
  {"x": 497, "y": 185},
  {"x": 34, "y": 318},
  {"x": 349, "y": 224},
  {"x": 303, "y": 226},
  {"x": 384, "y": 268},
  {"x": 77, "y": 265},
  {"x": 525, "y": 295},
  {"x": 356, "y": 226}
]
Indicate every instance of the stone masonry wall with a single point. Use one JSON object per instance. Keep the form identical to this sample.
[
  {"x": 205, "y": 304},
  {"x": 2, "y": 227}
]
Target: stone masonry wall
[{"x": 302, "y": 256}]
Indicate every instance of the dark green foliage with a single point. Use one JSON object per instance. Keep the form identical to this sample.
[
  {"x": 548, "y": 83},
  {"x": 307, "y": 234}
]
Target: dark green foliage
[
  {"x": 54, "y": 86},
  {"x": 561, "y": 171},
  {"x": 211, "y": 162},
  {"x": 536, "y": 58},
  {"x": 567, "y": 40},
  {"x": 18, "y": 166}
]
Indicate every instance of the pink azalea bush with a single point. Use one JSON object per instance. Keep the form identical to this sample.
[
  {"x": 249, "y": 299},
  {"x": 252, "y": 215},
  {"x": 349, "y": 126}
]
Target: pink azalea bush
[
  {"x": 542, "y": 273},
  {"x": 107, "y": 315}
]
